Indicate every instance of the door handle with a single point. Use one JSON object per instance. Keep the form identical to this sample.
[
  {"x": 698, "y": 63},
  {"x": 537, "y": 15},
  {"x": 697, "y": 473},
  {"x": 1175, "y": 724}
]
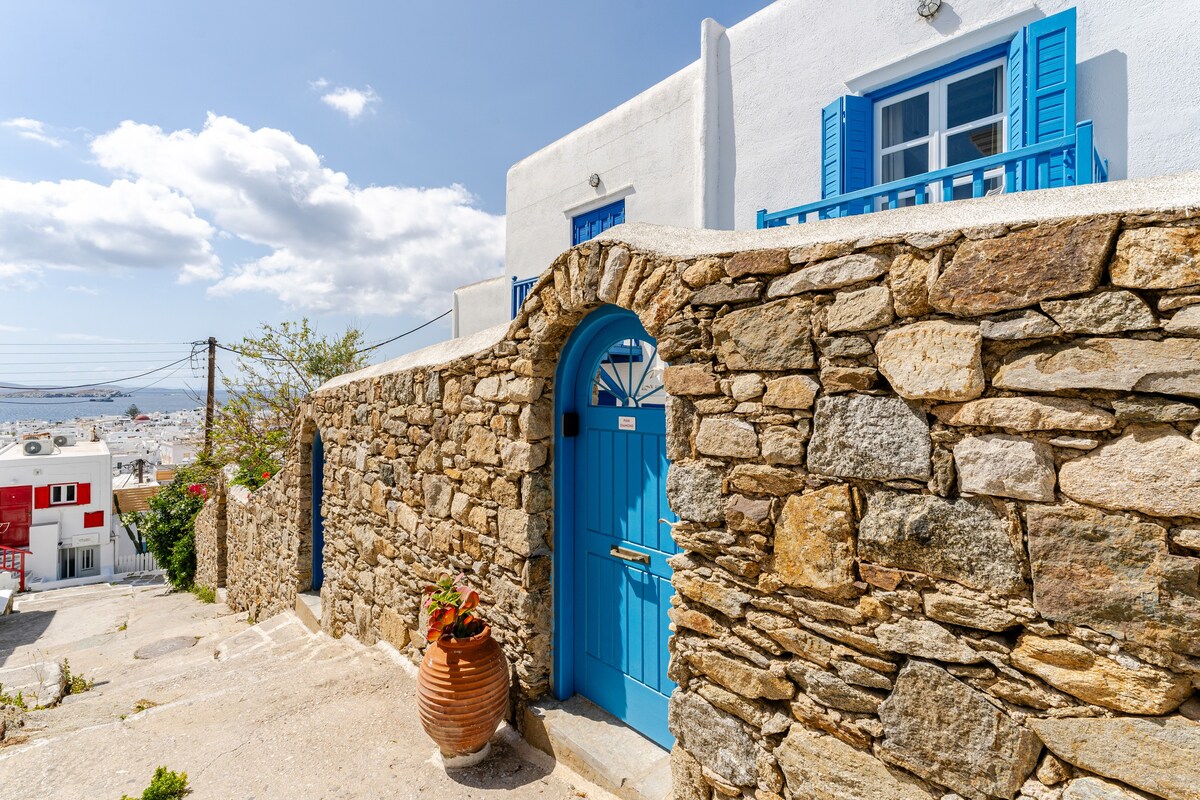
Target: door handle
[{"x": 625, "y": 554}]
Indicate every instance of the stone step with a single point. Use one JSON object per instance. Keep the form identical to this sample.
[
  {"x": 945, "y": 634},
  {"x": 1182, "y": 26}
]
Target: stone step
[
  {"x": 308, "y": 609},
  {"x": 6, "y": 601},
  {"x": 600, "y": 747}
]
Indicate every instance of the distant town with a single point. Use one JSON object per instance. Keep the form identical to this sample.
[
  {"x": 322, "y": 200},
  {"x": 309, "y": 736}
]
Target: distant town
[{"x": 139, "y": 444}]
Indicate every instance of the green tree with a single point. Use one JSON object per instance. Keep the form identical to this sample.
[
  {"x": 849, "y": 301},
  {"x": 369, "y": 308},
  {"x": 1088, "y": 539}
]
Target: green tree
[
  {"x": 132, "y": 411},
  {"x": 169, "y": 526},
  {"x": 275, "y": 370}
]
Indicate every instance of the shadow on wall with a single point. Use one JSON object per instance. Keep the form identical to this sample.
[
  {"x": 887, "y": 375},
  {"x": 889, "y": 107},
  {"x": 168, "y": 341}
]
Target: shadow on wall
[
  {"x": 947, "y": 22},
  {"x": 1106, "y": 80}
]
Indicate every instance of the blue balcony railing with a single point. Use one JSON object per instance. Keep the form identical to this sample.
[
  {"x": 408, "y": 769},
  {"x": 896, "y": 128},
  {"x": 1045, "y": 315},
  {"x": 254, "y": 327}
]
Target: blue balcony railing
[
  {"x": 520, "y": 290},
  {"x": 1038, "y": 166}
]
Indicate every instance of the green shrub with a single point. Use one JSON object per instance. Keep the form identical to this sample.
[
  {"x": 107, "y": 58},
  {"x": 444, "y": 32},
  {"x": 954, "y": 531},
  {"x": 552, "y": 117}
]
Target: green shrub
[
  {"x": 75, "y": 684},
  {"x": 165, "y": 785},
  {"x": 169, "y": 525},
  {"x": 256, "y": 467},
  {"x": 205, "y": 594}
]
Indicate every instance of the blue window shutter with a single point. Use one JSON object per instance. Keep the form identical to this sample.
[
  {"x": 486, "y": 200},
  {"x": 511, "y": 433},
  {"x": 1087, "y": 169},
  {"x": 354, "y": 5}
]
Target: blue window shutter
[
  {"x": 1049, "y": 109},
  {"x": 1014, "y": 72},
  {"x": 593, "y": 223},
  {"x": 857, "y": 170},
  {"x": 831, "y": 149},
  {"x": 847, "y": 146}
]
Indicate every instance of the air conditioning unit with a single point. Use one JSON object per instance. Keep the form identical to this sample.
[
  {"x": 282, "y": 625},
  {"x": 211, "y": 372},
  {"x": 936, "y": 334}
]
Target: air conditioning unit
[
  {"x": 37, "y": 447},
  {"x": 64, "y": 440}
]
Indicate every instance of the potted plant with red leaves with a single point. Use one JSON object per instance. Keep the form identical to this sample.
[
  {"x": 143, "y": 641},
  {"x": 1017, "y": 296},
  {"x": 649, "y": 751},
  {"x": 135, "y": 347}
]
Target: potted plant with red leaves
[{"x": 462, "y": 686}]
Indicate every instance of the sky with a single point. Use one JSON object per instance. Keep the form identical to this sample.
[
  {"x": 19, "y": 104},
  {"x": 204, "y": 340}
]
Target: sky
[{"x": 172, "y": 171}]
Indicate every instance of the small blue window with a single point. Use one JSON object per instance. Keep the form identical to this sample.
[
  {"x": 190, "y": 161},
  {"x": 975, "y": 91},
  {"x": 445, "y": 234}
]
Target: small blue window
[{"x": 592, "y": 223}]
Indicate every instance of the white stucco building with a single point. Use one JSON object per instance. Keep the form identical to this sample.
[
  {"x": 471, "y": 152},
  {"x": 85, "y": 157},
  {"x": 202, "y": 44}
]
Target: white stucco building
[
  {"x": 56, "y": 506},
  {"x": 806, "y": 102}
]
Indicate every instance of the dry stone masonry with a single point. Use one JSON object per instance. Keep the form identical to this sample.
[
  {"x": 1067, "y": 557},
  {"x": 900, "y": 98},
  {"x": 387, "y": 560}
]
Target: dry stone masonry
[{"x": 940, "y": 503}]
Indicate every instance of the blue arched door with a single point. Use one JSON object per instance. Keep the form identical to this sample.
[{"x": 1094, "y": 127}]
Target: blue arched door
[
  {"x": 613, "y": 581},
  {"x": 318, "y": 520}
]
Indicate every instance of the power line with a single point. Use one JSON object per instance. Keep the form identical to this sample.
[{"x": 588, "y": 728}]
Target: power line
[
  {"x": 367, "y": 349},
  {"x": 91, "y": 344},
  {"x": 104, "y": 383},
  {"x": 402, "y": 335},
  {"x": 90, "y": 352}
]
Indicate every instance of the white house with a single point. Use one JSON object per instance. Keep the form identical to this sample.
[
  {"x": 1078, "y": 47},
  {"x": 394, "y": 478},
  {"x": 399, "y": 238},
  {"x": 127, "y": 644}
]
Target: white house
[
  {"x": 808, "y": 110},
  {"x": 55, "y": 506}
]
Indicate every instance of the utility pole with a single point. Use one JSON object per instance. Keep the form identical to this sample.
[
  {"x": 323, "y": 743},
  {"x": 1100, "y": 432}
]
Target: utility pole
[{"x": 212, "y": 395}]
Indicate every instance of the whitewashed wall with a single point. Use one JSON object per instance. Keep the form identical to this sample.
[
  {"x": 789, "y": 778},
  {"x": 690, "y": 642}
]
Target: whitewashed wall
[
  {"x": 481, "y": 305},
  {"x": 762, "y": 84}
]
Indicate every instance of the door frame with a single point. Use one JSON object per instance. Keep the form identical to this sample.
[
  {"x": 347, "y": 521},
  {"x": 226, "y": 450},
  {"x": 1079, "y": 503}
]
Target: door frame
[
  {"x": 566, "y": 377},
  {"x": 316, "y": 525}
]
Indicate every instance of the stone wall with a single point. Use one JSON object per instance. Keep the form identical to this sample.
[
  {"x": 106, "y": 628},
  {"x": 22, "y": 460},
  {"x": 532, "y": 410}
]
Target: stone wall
[{"x": 939, "y": 491}]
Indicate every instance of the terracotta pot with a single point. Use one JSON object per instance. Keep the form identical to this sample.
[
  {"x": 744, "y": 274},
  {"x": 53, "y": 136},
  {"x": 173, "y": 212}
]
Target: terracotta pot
[{"x": 462, "y": 692}]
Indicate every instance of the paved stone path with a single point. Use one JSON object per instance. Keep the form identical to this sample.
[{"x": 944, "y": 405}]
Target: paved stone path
[{"x": 255, "y": 712}]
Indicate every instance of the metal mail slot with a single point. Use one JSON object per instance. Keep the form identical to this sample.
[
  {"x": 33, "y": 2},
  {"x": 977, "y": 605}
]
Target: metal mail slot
[{"x": 625, "y": 554}]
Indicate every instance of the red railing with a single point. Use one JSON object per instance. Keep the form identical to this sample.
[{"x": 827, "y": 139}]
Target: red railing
[{"x": 12, "y": 559}]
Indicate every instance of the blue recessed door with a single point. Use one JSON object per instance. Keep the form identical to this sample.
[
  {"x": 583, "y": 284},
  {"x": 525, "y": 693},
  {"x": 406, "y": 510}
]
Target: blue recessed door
[
  {"x": 318, "y": 520},
  {"x": 620, "y": 537}
]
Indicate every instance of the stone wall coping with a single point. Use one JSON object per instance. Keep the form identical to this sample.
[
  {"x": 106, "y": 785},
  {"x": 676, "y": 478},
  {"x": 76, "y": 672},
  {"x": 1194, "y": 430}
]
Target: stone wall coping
[
  {"x": 1171, "y": 193},
  {"x": 1148, "y": 195},
  {"x": 434, "y": 355}
]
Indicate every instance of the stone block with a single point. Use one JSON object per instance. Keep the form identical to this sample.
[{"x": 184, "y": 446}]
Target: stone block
[
  {"x": 792, "y": 391},
  {"x": 1150, "y": 468},
  {"x": 782, "y": 444},
  {"x": 875, "y": 438},
  {"x": 814, "y": 540},
  {"x": 864, "y": 310},
  {"x": 772, "y": 337},
  {"x": 1185, "y": 322},
  {"x": 740, "y": 677},
  {"x": 1155, "y": 755},
  {"x": 946, "y": 732},
  {"x": 1114, "y": 574},
  {"x": 935, "y": 360},
  {"x": 826, "y": 275},
  {"x": 1017, "y": 325},
  {"x": 1005, "y": 466},
  {"x": 730, "y": 438},
  {"x": 1157, "y": 258},
  {"x": 828, "y": 768},
  {"x": 971, "y": 541},
  {"x": 1170, "y": 366},
  {"x": 688, "y": 379},
  {"x": 923, "y": 638},
  {"x": 695, "y": 492},
  {"x": 912, "y": 277},
  {"x": 1027, "y": 414},
  {"x": 1106, "y": 311},
  {"x": 1048, "y": 261},
  {"x": 715, "y": 739},
  {"x": 1126, "y": 686},
  {"x": 758, "y": 262}
]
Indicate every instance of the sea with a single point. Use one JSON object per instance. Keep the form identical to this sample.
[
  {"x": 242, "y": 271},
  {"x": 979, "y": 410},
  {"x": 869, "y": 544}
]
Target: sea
[{"x": 61, "y": 409}]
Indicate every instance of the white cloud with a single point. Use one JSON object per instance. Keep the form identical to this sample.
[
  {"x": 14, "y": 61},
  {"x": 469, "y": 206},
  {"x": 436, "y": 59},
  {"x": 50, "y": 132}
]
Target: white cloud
[
  {"x": 10, "y": 328},
  {"x": 31, "y": 129},
  {"x": 81, "y": 289},
  {"x": 82, "y": 225},
  {"x": 333, "y": 245},
  {"x": 351, "y": 102}
]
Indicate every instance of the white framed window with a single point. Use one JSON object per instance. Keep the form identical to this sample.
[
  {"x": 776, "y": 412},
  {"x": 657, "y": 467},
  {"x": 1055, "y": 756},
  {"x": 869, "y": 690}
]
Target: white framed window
[
  {"x": 946, "y": 122},
  {"x": 63, "y": 494}
]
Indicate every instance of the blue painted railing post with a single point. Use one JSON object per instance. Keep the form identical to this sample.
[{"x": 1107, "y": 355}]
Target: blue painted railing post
[
  {"x": 1085, "y": 158},
  {"x": 762, "y": 218}
]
